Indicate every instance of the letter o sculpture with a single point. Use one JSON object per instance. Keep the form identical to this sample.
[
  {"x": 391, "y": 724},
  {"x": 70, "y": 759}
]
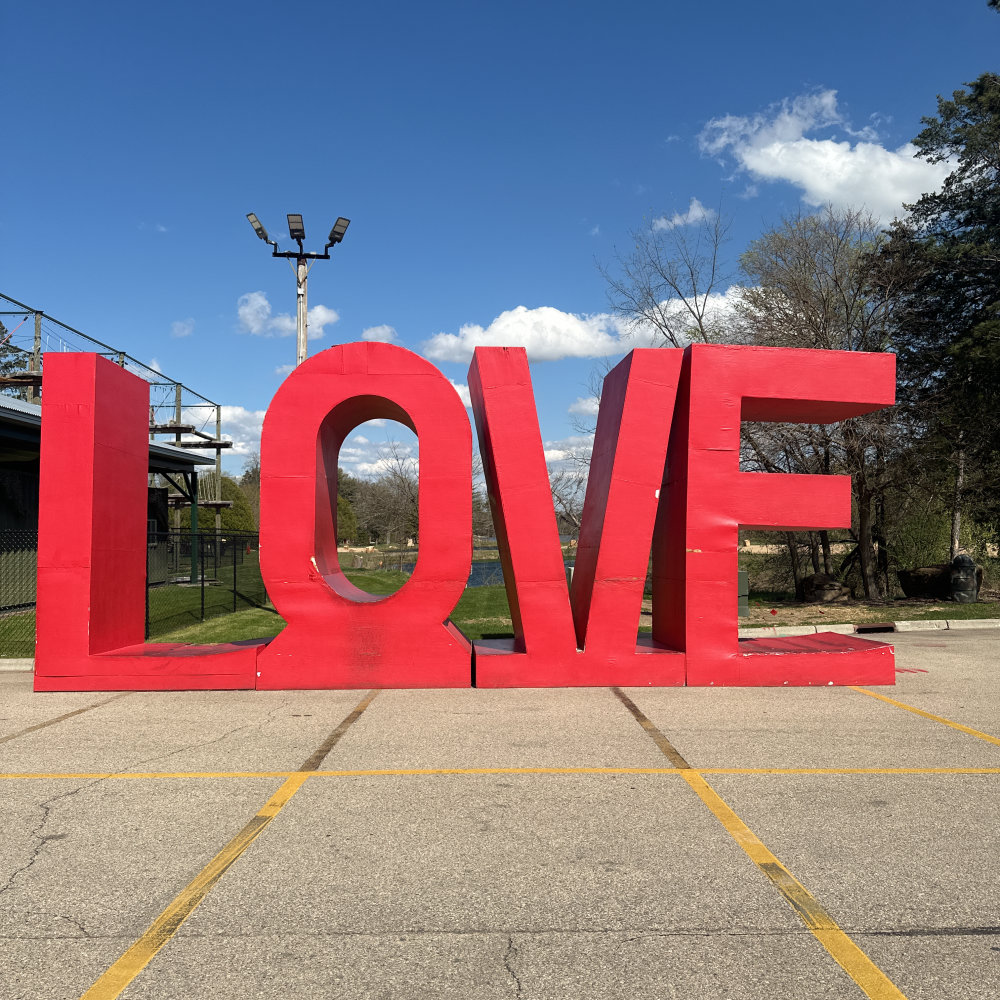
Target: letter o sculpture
[{"x": 337, "y": 635}]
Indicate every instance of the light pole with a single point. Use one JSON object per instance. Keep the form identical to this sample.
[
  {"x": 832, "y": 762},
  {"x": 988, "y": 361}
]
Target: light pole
[{"x": 297, "y": 231}]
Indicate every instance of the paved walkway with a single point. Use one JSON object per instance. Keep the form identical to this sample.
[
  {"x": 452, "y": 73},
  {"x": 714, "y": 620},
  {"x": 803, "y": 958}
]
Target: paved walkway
[{"x": 697, "y": 843}]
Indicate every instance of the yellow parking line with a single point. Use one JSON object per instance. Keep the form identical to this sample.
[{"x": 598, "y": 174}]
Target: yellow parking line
[
  {"x": 930, "y": 715},
  {"x": 873, "y": 982},
  {"x": 117, "y": 978},
  {"x": 846, "y": 770}
]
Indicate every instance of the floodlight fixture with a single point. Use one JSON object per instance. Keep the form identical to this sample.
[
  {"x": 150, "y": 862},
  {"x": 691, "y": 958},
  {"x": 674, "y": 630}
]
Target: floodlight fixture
[
  {"x": 303, "y": 261},
  {"x": 296, "y": 227},
  {"x": 258, "y": 227},
  {"x": 337, "y": 233}
]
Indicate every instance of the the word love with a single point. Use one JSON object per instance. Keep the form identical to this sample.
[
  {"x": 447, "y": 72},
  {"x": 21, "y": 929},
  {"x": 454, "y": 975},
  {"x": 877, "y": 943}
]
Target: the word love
[{"x": 664, "y": 481}]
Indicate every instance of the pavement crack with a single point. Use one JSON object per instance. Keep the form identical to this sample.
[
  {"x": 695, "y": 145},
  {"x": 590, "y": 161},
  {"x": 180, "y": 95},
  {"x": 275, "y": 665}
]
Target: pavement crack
[
  {"x": 510, "y": 955},
  {"x": 195, "y": 746},
  {"x": 70, "y": 920},
  {"x": 42, "y": 838},
  {"x": 268, "y": 720}
]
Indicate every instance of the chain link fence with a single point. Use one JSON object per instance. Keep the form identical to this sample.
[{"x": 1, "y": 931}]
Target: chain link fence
[
  {"x": 188, "y": 578},
  {"x": 18, "y": 575},
  {"x": 194, "y": 577}
]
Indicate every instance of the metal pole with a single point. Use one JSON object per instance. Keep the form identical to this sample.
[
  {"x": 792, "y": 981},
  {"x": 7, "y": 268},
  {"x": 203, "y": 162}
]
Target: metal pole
[
  {"x": 193, "y": 492},
  {"x": 178, "y": 394},
  {"x": 218, "y": 477},
  {"x": 36, "y": 358},
  {"x": 302, "y": 311},
  {"x": 146, "y": 633}
]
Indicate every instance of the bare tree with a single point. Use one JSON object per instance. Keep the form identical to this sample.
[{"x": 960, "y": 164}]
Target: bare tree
[
  {"x": 807, "y": 285},
  {"x": 569, "y": 488},
  {"x": 386, "y": 507},
  {"x": 665, "y": 285}
]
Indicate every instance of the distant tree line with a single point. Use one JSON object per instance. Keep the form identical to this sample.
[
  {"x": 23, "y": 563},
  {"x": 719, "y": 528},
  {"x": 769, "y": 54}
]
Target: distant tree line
[{"x": 381, "y": 509}]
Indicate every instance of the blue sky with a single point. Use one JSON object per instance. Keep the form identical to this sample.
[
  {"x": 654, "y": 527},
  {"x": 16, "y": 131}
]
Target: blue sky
[{"x": 489, "y": 156}]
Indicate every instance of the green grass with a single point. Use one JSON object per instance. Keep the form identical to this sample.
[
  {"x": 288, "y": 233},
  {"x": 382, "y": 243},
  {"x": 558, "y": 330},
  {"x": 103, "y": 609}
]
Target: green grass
[
  {"x": 176, "y": 606},
  {"x": 254, "y": 623},
  {"x": 17, "y": 635},
  {"x": 481, "y": 613}
]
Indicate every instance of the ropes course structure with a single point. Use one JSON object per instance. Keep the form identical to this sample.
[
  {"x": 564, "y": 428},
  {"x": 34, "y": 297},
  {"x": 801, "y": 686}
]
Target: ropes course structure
[{"x": 176, "y": 411}]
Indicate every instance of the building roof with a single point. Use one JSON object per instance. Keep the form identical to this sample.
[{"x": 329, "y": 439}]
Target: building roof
[{"x": 20, "y": 438}]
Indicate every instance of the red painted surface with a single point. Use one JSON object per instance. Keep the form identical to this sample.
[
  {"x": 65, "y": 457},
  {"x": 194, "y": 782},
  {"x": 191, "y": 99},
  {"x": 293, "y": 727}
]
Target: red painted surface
[
  {"x": 337, "y": 635},
  {"x": 669, "y": 424},
  {"x": 708, "y": 498},
  {"x": 92, "y": 543},
  {"x": 587, "y": 636}
]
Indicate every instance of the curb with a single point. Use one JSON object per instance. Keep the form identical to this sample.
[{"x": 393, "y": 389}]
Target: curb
[
  {"x": 936, "y": 624},
  {"x": 777, "y": 631},
  {"x": 27, "y": 663}
]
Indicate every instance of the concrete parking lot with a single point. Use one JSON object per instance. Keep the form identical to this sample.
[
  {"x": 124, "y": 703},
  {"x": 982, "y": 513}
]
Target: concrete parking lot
[{"x": 696, "y": 843}]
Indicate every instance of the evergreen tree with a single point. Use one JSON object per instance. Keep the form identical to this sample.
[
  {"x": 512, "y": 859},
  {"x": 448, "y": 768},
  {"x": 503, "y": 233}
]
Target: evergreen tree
[{"x": 949, "y": 328}]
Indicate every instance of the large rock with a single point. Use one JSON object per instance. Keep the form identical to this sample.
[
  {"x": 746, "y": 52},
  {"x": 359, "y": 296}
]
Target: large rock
[
  {"x": 959, "y": 580},
  {"x": 821, "y": 589},
  {"x": 927, "y": 581}
]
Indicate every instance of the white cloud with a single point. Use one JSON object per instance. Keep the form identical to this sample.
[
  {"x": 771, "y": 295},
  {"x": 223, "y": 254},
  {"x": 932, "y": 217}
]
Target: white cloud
[
  {"x": 595, "y": 231},
  {"x": 368, "y": 458},
  {"x": 585, "y": 407},
  {"x": 560, "y": 452},
  {"x": 254, "y": 312},
  {"x": 717, "y": 313},
  {"x": 463, "y": 393},
  {"x": 239, "y": 425},
  {"x": 696, "y": 213},
  {"x": 547, "y": 333},
  {"x": 182, "y": 327},
  {"x": 384, "y": 333},
  {"x": 284, "y": 369},
  {"x": 320, "y": 317},
  {"x": 380, "y": 465},
  {"x": 155, "y": 365},
  {"x": 773, "y": 146},
  {"x": 243, "y": 427},
  {"x": 782, "y": 123}
]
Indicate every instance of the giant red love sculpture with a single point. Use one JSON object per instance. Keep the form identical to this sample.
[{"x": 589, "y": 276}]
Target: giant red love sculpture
[{"x": 664, "y": 478}]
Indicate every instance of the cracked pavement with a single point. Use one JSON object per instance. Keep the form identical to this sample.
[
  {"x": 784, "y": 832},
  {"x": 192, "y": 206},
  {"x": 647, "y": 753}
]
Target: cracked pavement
[{"x": 498, "y": 885}]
